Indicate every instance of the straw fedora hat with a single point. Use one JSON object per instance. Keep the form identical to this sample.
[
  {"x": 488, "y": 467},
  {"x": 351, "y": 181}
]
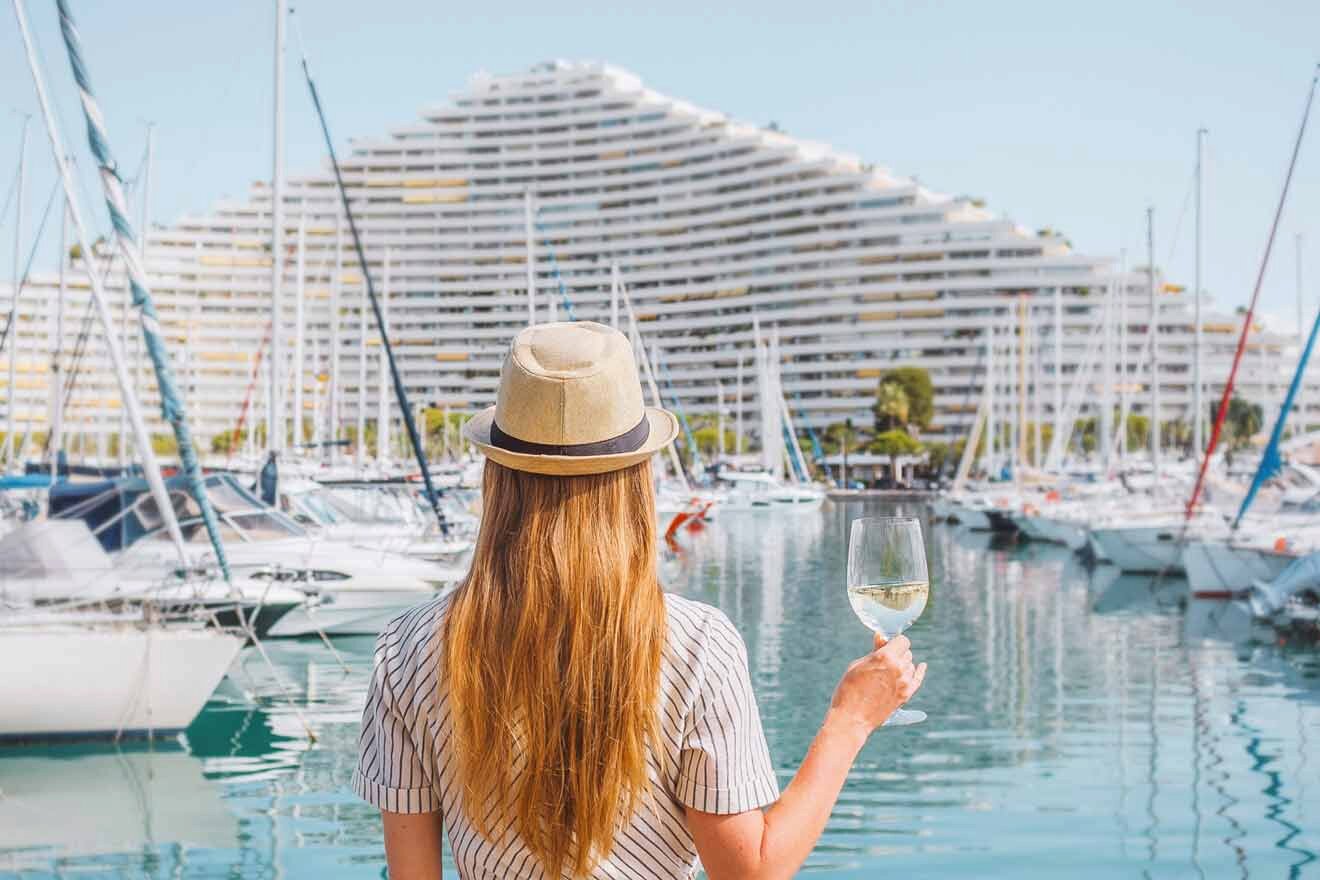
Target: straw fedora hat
[{"x": 570, "y": 403}]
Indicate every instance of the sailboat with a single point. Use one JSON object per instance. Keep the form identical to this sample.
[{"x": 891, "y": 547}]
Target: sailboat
[
  {"x": 1225, "y": 564},
  {"x": 357, "y": 589},
  {"x": 91, "y": 673},
  {"x": 151, "y": 671},
  {"x": 772, "y": 486},
  {"x": 380, "y": 516}
]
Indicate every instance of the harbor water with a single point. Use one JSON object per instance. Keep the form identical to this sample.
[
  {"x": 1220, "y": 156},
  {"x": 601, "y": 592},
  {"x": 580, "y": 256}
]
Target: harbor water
[{"x": 1082, "y": 724}]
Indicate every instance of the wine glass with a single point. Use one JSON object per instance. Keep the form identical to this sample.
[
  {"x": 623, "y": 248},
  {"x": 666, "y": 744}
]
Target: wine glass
[{"x": 888, "y": 583}]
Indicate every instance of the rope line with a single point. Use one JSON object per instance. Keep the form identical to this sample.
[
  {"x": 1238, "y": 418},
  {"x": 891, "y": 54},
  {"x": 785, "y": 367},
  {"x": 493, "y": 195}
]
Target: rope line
[
  {"x": 172, "y": 408},
  {"x": 27, "y": 268},
  {"x": 400, "y": 391},
  {"x": 1251, "y": 309},
  {"x": 554, "y": 267},
  {"x": 79, "y": 346},
  {"x": 9, "y": 198},
  {"x": 682, "y": 416}
]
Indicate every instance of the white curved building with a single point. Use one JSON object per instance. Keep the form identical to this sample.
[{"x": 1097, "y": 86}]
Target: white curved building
[{"x": 712, "y": 223}]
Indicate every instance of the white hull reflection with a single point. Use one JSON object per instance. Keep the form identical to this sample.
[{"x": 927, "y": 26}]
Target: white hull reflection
[{"x": 108, "y": 803}]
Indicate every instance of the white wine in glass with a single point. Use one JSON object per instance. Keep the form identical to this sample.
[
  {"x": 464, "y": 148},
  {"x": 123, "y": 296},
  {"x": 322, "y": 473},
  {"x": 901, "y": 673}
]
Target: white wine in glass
[{"x": 888, "y": 583}]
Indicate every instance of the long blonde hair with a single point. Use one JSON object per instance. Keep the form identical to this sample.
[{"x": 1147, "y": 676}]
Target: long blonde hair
[{"x": 552, "y": 659}]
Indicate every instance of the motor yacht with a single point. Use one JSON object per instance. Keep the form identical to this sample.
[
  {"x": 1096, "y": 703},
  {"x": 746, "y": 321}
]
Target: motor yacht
[{"x": 357, "y": 589}]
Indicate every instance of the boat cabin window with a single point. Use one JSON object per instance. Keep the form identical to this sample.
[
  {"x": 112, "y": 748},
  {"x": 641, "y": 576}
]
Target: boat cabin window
[
  {"x": 263, "y": 526},
  {"x": 194, "y": 532}
]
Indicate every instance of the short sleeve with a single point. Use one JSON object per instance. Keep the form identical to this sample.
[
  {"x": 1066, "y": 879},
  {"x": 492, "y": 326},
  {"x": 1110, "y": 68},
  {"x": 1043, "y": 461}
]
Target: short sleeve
[
  {"x": 390, "y": 775},
  {"x": 724, "y": 764}
]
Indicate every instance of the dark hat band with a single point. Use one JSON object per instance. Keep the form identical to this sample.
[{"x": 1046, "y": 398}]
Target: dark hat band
[{"x": 629, "y": 441}]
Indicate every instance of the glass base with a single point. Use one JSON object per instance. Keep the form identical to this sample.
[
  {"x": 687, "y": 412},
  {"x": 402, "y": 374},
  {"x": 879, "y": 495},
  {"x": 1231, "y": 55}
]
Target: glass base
[{"x": 902, "y": 717}]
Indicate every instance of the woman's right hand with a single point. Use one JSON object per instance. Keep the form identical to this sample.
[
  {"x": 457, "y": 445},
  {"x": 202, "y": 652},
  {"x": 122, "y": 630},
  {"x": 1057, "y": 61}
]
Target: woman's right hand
[
  {"x": 773, "y": 843},
  {"x": 877, "y": 684}
]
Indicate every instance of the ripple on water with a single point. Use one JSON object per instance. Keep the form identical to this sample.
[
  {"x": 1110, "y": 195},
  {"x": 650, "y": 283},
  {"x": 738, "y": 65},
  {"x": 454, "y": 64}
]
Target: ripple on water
[{"x": 1082, "y": 724}]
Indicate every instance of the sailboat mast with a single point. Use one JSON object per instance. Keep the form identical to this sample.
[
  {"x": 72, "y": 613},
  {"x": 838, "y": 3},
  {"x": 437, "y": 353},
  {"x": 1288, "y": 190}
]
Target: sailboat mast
[
  {"x": 145, "y": 225},
  {"x": 614, "y": 295},
  {"x": 1154, "y": 333},
  {"x": 383, "y": 391},
  {"x": 146, "y": 189},
  {"x": 1019, "y": 449},
  {"x": 1106, "y": 421},
  {"x": 336, "y": 287},
  {"x": 56, "y": 377},
  {"x": 275, "y": 415},
  {"x": 1301, "y": 389},
  {"x": 719, "y": 419},
  {"x": 300, "y": 331},
  {"x": 992, "y": 422},
  {"x": 738, "y": 413},
  {"x": 1198, "y": 404},
  {"x": 147, "y": 455},
  {"x": 1123, "y": 405},
  {"x": 1058, "y": 361},
  {"x": 316, "y": 396},
  {"x": 648, "y": 371},
  {"x": 10, "y": 399},
  {"x": 531, "y": 257},
  {"x": 1034, "y": 350},
  {"x": 360, "y": 447}
]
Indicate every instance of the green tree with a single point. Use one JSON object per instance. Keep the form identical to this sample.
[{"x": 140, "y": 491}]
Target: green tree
[
  {"x": 1176, "y": 432},
  {"x": 941, "y": 455},
  {"x": 440, "y": 431},
  {"x": 895, "y": 442},
  {"x": 708, "y": 440},
  {"x": 920, "y": 393},
  {"x": 892, "y": 407},
  {"x": 833, "y": 437},
  {"x": 1087, "y": 434},
  {"x": 164, "y": 444},
  {"x": 220, "y": 442},
  {"x": 1046, "y": 438},
  {"x": 368, "y": 437},
  {"x": 1244, "y": 421},
  {"x": 1138, "y": 431}
]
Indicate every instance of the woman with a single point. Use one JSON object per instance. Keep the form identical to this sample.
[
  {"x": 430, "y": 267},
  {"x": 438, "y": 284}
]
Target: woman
[{"x": 558, "y": 715}]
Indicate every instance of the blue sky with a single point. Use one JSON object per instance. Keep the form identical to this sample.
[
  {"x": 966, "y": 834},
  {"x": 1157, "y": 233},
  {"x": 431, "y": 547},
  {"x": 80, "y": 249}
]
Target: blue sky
[{"x": 1068, "y": 115}]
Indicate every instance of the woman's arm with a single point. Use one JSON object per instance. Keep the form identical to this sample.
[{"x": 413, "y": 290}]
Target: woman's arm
[
  {"x": 413, "y": 843},
  {"x": 774, "y": 843}
]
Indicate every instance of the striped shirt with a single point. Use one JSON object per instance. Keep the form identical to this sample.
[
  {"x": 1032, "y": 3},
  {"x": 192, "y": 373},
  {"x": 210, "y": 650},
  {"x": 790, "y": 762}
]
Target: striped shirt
[{"x": 715, "y": 755}]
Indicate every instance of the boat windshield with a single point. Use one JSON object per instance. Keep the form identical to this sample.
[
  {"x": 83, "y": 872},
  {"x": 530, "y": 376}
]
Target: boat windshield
[
  {"x": 310, "y": 508},
  {"x": 265, "y": 525},
  {"x": 242, "y": 517},
  {"x": 324, "y": 507},
  {"x": 372, "y": 505}
]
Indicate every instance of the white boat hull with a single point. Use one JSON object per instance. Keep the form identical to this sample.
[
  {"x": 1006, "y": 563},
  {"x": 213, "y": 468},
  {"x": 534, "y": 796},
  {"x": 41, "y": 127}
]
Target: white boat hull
[
  {"x": 103, "y": 680},
  {"x": 348, "y": 612},
  {"x": 1060, "y": 531},
  {"x": 1141, "y": 548},
  {"x": 806, "y": 503},
  {"x": 977, "y": 520},
  {"x": 1029, "y": 526},
  {"x": 1219, "y": 567}
]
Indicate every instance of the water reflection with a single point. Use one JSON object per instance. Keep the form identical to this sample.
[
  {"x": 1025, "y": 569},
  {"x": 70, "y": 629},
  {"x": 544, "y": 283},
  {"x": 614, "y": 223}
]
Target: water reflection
[
  {"x": 67, "y": 808},
  {"x": 1081, "y": 723}
]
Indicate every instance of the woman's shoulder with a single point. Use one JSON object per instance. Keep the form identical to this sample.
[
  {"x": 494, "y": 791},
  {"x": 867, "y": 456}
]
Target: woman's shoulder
[
  {"x": 411, "y": 637},
  {"x": 697, "y": 626}
]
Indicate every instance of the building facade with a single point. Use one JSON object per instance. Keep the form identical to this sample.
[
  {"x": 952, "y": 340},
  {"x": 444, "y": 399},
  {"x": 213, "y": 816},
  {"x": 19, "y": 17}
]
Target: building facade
[{"x": 715, "y": 227}]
